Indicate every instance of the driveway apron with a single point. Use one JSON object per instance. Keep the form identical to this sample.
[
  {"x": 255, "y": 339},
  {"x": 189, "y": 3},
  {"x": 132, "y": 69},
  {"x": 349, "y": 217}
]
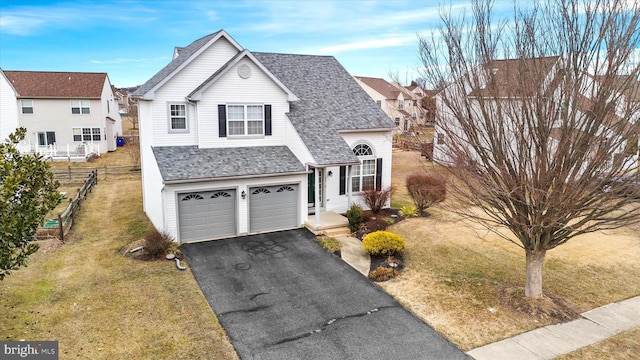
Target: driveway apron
[{"x": 281, "y": 296}]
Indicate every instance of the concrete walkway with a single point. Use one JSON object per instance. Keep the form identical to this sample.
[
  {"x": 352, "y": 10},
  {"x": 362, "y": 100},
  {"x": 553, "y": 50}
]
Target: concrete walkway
[
  {"x": 354, "y": 254},
  {"x": 554, "y": 340}
]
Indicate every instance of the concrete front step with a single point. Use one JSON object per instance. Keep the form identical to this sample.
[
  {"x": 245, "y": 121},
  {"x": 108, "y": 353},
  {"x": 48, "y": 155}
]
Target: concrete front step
[{"x": 337, "y": 232}]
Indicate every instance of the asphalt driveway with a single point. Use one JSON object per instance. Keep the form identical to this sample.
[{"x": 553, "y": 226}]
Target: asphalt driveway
[{"x": 281, "y": 296}]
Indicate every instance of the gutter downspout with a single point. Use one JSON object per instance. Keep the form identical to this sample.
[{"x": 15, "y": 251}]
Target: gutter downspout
[
  {"x": 316, "y": 198},
  {"x": 350, "y": 200}
]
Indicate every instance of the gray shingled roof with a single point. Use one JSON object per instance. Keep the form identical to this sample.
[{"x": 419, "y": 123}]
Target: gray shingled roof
[
  {"x": 184, "y": 163},
  {"x": 185, "y": 53},
  {"x": 330, "y": 100}
]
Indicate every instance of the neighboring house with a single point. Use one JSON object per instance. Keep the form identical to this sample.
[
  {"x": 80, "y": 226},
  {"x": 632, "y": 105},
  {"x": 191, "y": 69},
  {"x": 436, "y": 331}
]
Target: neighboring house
[
  {"x": 397, "y": 102},
  {"x": 543, "y": 81},
  {"x": 121, "y": 96},
  {"x": 62, "y": 111},
  {"x": 426, "y": 103},
  {"x": 236, "y": 142},
  {"x": 8, "y": 108}
]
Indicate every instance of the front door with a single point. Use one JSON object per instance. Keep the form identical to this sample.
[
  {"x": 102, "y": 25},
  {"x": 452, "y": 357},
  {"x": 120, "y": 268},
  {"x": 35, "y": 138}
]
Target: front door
[{"x": 311, "y": 190}]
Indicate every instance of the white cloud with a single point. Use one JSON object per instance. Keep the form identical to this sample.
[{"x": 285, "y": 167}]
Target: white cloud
[
  {"x": 118, "y": 61},
  {"x": 17, "y": 25},
  {"x": 393, "y": 41}
]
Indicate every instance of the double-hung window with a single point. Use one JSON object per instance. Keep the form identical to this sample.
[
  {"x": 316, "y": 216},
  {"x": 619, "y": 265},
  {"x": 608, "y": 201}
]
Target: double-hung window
[
  {"x": 80, "y": 107},
  {"x": 27, "y": 106},
  {"x": 178, "y": 117},
  {"x": 363, "y": 176},
  {"x": 86, "y": 134},
  {"x": 245, "y": 120}
]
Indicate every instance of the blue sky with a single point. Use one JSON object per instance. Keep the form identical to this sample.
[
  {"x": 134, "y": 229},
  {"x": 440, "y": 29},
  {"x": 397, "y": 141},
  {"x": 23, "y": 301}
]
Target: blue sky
[{"x": 132, "y": 40}]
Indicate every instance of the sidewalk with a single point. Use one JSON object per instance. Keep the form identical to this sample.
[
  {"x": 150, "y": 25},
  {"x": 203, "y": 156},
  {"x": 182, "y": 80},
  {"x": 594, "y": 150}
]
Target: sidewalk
[{"x": 554, "y": 340}]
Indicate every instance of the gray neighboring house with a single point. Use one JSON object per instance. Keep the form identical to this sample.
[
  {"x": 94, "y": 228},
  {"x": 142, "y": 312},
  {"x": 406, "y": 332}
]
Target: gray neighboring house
[{"x": 235, "y": 142}]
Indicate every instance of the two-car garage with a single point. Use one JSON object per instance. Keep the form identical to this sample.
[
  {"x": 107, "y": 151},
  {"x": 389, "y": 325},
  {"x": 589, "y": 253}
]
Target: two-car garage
[{"x": 204, "y": 215}]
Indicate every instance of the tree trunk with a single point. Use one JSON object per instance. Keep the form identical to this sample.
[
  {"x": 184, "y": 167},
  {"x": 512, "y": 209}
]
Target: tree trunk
[{"x": 533, "y": 286}]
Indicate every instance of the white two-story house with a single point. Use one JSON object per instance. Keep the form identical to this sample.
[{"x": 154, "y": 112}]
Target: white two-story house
[
  {"x": 62, "y": 111},
  {"x": 235, "y": 142}
]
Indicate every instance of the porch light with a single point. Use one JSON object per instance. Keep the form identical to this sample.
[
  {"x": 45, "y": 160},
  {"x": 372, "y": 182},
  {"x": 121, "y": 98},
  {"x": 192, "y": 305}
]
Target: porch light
[
  {"x": 330, "y": 173},
  {"x": 243, "y": 194}
]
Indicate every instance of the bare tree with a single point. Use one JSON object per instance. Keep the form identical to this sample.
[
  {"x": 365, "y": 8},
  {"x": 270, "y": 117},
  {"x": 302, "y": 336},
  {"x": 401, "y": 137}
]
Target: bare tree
[
  {"x": 132, "y": 114},
  {"x": 533, "y": 139}
]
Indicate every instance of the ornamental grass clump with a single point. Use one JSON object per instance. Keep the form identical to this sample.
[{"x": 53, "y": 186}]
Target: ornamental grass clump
[
  {"x": 408, "y": 211},
  {"x": 157, "y": 243},
  {"x": 383, "y": 243}
]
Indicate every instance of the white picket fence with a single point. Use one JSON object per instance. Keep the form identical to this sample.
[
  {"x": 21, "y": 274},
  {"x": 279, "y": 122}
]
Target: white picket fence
[{"x": 60, "y": 153}]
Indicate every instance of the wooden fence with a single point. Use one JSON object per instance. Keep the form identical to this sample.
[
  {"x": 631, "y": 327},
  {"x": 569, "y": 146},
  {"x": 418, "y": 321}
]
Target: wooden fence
[
  {"x": 60, "y": 227},
  {"x": 78, "y": 174}
]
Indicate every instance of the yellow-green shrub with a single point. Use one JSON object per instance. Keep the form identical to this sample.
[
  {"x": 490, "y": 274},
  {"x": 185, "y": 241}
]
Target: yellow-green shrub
[
  {"x": 382, "y": 243},
  {"x": 408, "y": 211}
]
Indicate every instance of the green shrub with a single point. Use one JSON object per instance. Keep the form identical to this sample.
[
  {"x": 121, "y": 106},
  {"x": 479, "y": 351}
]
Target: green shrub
[
  {"x": 408, "y": 211},
  {"x": 381, "y": 274},
  {"x": 383, "y": 243},
  {"x": 354, "y": 215},
  {"x": 156, "y": 243},
  {"x": 330, "y": 244}
]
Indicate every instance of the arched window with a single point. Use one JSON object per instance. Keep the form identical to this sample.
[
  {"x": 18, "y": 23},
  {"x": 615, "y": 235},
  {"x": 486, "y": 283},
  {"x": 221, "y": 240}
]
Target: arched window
[{"x": 363, "y": 176}]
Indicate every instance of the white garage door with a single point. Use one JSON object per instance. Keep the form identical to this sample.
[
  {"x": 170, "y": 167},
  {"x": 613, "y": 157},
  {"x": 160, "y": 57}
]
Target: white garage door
[
  {"x": 207, "y": 214},
  {"x": 273, "y": 208}
]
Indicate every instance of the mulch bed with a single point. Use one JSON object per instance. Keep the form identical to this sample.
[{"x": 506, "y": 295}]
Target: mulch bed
[{"x": 386, "y": 261}]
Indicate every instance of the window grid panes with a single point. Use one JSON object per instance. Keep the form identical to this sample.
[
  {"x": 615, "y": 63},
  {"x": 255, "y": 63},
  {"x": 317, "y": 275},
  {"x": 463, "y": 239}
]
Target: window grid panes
[
  {"x": 245, "y": 119},
  {"x": 80, "y": 107},
  {"x": 27, "y": 106},
  {"x": 178, "y": 116},
  {"x": 363, "y": 175},
  {"x": 86, "y": 134}
]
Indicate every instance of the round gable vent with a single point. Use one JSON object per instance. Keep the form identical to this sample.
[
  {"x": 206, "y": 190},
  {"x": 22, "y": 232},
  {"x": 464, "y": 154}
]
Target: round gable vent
[{"x": 244, "y": 71}]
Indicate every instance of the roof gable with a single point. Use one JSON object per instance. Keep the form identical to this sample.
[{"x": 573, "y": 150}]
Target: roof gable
[
  {"x": 524, "y": 76},
  {"x": 386, "y": 89},
  {"x": 182, "y": 57},
  {"x": 197, "y": 93},
  {"x": 44, "y": 84}
]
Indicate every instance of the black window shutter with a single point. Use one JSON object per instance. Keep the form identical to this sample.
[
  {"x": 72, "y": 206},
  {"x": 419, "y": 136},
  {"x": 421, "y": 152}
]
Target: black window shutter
[
  {"x": 378, "y": 174},
  {"x": 343, "y": 180},
  {"x": 267, "y": 119},
  {"x": 222, "y": 120}
]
